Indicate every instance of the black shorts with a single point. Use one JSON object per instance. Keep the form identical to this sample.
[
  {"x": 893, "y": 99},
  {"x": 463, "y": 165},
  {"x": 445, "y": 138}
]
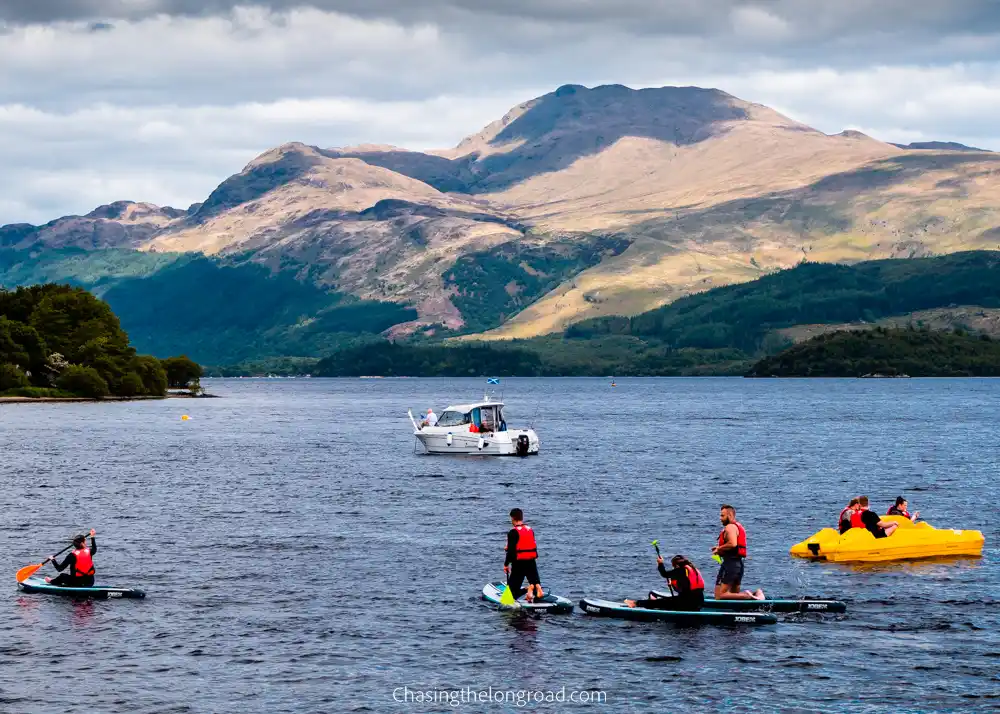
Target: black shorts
[
  {"x": 521, "y": 569},
  {"x": 730, "y": 572}
]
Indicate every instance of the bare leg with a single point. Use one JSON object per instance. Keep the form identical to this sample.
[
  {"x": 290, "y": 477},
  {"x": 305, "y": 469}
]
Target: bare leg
[{"x": 732, "y": 592}]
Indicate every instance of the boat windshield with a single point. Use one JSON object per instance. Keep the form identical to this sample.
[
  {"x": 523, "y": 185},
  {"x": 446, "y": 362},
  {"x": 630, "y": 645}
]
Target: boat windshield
[{"x": 453, "y": 419}]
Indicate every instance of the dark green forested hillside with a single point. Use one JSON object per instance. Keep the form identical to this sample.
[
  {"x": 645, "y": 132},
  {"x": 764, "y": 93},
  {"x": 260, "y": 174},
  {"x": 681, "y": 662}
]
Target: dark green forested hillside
[
  {"x": 886, "y": 352},
  {"x": 744, "y": 316},
  {"x": 492, "y": 286},
  {"x": 540, "y": 357},
  {"x": 217, "y": 311},
  {"x": 721, "y": 331},
  {"x": 57, "y": 340},
  {"x": 223, "y": 312}
]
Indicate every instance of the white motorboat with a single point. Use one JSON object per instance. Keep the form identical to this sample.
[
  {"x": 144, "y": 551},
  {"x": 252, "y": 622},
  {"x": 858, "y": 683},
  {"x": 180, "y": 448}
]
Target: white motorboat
[{"x": 476, "y": 428}]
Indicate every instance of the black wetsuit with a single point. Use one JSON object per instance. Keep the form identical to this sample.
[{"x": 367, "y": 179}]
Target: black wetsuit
[
  {"x": 519, "y": 569},
  {"x": 685, "y": 599},
  {"x": 871, "y": 519},
  {"x": 69, "y": 580}
]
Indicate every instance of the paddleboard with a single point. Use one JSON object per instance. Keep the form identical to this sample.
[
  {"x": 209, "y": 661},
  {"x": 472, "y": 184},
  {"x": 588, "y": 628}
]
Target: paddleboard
[
  {"x": 38, "y": 585},
  {"x": 549, "y": 603},
  {"x": 607, "y": 608},
  {"x": 805, "y": 605}
]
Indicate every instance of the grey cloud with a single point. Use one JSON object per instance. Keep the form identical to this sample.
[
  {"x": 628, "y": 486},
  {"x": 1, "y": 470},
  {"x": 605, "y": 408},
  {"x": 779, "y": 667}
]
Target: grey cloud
[{"x": 833, "y": 18}]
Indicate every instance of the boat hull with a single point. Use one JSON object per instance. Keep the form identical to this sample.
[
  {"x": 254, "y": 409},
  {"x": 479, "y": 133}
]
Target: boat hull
[
  {"x": 618, "y": 610},
  {"x": 550, "y": 603},
  {"x": 96, "y": 592},
  {"x": 911, "y": 541},
  {"x": 786, "y": 605},
  {"x": 462, "y": 442}
]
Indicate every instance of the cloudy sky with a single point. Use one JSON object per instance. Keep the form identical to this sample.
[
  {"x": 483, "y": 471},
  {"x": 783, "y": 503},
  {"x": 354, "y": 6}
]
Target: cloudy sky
[{"x": 159, "y": 100}]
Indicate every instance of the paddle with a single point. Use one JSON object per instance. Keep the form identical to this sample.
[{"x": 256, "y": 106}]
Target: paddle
[
  {"x": 656, "y": 546},
  {"x": 507, "y": 597},
  {"x": 28, "y": 570}
]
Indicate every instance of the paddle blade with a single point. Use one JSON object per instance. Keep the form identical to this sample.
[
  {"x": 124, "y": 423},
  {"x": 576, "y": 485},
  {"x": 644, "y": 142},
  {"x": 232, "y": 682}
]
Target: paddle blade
[
  {"x": 507, "y": 597},
  {"x": 27, "y": 571}
]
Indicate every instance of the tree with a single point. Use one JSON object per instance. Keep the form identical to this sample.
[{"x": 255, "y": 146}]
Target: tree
[
  {"x": 182, "y": 371},
  {"x": 47, "y": 329},
  {"x": 12, "y": 378},
  {"x": 83, "y": 381},
  {"x": 131, "y": 385},
  {"x": 152, "y": 374},
  {"x": 55, "y": 363}
]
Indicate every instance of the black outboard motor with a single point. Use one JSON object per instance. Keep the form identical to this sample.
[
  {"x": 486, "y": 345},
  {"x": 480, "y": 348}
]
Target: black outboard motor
[{"x": 521, "y": 448}]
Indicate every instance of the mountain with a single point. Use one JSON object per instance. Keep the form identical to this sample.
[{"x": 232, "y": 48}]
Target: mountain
[
  {"x": 578, "y": 204},
  {"x": 938, "y": 146},
  {"x": 123, "y": 224}
]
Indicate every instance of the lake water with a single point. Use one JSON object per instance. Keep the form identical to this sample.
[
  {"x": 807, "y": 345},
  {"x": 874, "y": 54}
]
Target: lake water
[{"x": 300, "y": 557}]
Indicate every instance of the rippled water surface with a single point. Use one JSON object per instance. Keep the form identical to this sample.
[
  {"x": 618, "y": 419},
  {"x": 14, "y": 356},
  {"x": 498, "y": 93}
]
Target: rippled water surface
[{"x": 300, "y": 557}]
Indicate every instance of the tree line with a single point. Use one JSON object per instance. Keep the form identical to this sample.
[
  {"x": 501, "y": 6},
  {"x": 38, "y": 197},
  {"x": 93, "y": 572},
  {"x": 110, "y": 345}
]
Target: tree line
[
  {"x": 886, "y": 352},
  {"x": 58, "y": 340}
]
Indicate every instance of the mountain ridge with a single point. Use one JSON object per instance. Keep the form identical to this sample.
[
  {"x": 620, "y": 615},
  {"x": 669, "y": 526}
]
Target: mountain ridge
[{"x": 670, "y": 190}]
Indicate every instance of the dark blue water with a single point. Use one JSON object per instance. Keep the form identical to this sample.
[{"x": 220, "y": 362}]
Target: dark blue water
[{"x": 300, "y": 558}]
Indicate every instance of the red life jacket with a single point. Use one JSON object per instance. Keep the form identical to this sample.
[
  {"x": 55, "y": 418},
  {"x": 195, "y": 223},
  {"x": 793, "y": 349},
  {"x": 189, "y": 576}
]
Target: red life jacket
[
  {"x": 694, "y": 579},
  {"x": 84, "y": 564},
  {"x": 526, "y": 548},
  {"x": 741, "y": 539},
  {"x": 856, "y": 521},
  {"x": 893, "y": 511},
  {"x": 840, "y": 519}
]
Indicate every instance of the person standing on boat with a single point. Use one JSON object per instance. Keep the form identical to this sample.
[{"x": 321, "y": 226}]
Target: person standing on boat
[
  {"x": 521, "y": 560},
  {"x": 732, "y": 548},
  {"x": 80, "y": 563},
  {"x": 900, "y": 510}
]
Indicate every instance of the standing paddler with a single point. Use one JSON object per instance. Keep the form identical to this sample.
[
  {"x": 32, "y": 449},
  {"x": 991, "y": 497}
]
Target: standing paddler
[
  {"x": 521, "y": 560},
  {"x": 732, "y": 549}
]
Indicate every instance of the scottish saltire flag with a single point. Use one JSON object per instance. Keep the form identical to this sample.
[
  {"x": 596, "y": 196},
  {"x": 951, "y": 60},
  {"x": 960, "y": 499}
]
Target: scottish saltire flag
[{"x": 493, "y": 380}]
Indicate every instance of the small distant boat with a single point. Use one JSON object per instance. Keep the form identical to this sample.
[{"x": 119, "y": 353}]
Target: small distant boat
[{"x": 475, "y": 428}]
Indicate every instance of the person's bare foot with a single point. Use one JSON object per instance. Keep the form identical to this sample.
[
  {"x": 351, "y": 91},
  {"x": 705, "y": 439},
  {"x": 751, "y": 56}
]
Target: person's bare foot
[
  {"x": 758, "y": 595},
  {"x": 630, "y": 603},
  {"x": 540, "y": 593}
]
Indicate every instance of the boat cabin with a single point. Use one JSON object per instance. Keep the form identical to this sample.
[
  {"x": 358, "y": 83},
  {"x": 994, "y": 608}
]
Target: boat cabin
[{"x": 485, "y": 416}]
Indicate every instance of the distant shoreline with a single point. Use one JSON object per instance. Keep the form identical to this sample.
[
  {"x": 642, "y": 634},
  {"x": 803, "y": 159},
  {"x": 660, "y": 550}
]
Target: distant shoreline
[{"x": 58, "y": 400}]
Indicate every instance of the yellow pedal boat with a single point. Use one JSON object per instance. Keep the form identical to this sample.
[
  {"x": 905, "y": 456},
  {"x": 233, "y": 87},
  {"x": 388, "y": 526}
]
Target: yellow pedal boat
[{"x": 909, "y": 541}]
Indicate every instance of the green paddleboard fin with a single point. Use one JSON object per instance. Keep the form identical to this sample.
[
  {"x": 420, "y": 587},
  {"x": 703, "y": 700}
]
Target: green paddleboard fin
[{"x": 506, "y": 597}]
